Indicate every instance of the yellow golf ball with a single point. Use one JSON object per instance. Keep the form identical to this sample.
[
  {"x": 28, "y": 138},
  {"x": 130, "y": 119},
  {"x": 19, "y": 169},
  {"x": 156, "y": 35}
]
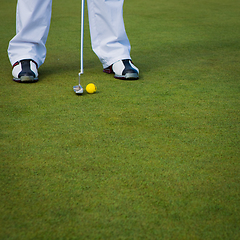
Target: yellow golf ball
[{"x": 91, "y": 88}]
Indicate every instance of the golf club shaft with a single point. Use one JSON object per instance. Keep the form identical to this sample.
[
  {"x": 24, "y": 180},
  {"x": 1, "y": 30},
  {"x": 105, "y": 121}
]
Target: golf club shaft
[
  {"x": 82, "y": 36},
  {"x": 78, "y": 89}
]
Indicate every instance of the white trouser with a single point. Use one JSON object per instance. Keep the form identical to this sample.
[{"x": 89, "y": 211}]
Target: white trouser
[{"x": 108, "y": 36}]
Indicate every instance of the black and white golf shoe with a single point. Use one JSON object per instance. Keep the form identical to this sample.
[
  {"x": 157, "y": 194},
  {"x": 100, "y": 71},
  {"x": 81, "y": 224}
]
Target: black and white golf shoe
[
  {"x": 123, "y": 69},
  {"x": 25, "y": 70}
]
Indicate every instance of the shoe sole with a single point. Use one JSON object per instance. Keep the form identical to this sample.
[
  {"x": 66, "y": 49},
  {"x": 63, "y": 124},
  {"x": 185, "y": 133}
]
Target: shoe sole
[
  {"x": 26, "y": 79},
  {"x": 127, "y": 76}
]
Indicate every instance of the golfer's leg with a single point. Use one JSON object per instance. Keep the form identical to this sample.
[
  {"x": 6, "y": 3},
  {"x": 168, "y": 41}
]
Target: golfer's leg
[
  {"x": 32, "y": 27},
  {"x": 108, "y": 35}
]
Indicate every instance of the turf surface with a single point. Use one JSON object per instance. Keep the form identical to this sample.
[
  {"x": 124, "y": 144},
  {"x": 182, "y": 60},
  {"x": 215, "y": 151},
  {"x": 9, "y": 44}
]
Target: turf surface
[{"x": 156, "y": 158}]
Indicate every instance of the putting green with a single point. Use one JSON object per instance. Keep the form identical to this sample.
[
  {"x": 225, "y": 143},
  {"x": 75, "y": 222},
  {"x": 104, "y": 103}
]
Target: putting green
[{"x": 156, "y": 158}]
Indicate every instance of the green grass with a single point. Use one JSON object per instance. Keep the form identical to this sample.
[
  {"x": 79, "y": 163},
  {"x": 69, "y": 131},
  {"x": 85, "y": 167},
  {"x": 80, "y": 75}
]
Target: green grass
[{"x": 156, "y": 158}]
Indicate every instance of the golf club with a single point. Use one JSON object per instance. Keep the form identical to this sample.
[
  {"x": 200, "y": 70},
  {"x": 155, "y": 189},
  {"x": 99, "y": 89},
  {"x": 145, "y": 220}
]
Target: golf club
[{"x": 78, "y": 89}]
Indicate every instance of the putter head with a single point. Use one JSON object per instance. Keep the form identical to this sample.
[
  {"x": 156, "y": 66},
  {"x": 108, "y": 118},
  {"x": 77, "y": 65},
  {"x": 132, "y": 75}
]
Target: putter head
[{"x": 78, "y": 89}]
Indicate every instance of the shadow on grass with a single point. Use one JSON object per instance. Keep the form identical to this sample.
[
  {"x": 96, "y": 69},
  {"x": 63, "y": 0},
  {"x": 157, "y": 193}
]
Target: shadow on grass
[
  {"x": 66, "y": 67},
  {"x": 192, "y": 54}
]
